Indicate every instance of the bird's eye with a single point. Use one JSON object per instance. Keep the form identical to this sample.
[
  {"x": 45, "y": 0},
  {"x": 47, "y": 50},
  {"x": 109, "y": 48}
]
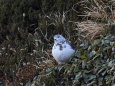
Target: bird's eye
[{"x": 58, "y": 36}]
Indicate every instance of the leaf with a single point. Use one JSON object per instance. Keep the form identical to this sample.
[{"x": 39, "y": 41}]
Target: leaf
[
  {"x": 110, "y": 64},
  {"x": 76, "y": 82},
  {"x": 106, "y": 41},
  {"x": 81, "y": 45},
  {"x": 83, "y": 64},
  {"x": 97, "y": 55},
  {"x": 106, "y": 48},
  {"x": 91, "y": 54},
  {"x": 89, "y": 48},
  {"x": 78, "y": 76},
  {"x": 103, "y": 74},
  {"x": 83, "y": 57},
  {"x": 100, "y": 71},
  {"x": 91, "y": 83},
  {"x": 28, "y": 84},
  {"x": 78, "y": 53},
  {"x": 96, "y": 42},
  {"x": 92, "y": 77},
  {"x": 100, "y": 79},
  {"x": 76, "y": 69},
  {"x": 89, "y": 77},
  {"x": 48, "y": 70},
  {"x": 112, "y": 43}
]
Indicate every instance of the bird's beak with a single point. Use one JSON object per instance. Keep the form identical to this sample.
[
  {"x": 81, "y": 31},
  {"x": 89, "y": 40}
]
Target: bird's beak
[{"x": 55, "y": 40}]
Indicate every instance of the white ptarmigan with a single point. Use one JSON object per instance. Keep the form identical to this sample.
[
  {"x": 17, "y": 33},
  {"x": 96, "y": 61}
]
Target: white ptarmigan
[{"x": 62, "y": 49}]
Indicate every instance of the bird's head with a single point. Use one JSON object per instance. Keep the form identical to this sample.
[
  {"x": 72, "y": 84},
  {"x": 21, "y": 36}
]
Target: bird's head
[{"x": 59, "y": 39}]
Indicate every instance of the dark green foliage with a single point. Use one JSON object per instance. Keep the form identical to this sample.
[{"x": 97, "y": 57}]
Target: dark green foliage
[{"x": 95, "y": 69}]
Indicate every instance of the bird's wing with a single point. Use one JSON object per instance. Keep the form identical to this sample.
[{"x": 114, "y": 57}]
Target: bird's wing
[{"x": 68, "y": 42}]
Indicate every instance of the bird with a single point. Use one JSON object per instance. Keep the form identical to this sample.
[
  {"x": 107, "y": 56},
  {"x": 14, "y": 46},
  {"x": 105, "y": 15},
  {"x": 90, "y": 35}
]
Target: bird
[{"x": 62, "y": 49}]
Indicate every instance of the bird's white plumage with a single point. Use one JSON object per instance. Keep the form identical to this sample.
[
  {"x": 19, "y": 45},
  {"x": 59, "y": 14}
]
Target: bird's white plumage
[{"x": 62, "y": 49}]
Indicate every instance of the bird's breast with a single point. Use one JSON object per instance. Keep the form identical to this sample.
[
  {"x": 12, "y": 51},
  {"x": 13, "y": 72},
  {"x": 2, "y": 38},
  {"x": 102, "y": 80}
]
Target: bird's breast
[{"x": 62, "y": 52}]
